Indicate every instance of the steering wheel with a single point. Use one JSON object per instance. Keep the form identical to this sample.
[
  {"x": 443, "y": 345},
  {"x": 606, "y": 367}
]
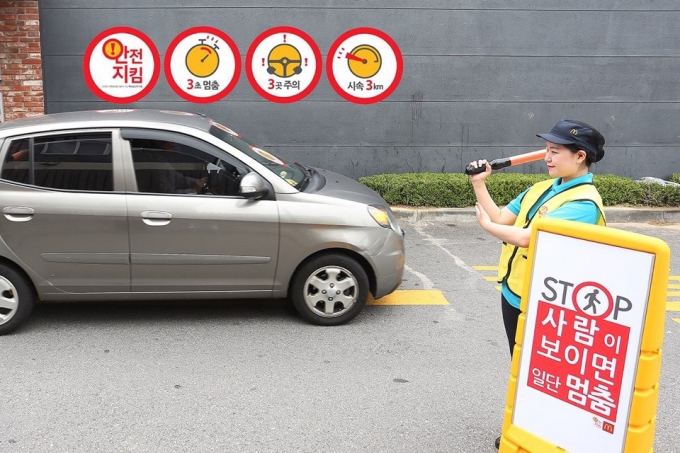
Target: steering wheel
[{"x": 203, "y": 190}]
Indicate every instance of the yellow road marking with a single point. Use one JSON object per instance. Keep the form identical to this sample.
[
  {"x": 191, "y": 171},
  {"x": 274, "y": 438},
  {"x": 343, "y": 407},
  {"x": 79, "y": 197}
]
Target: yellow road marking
[
  {"x": 672, "y": 306},
  {"x": 673, "y": 286},
  {"x": 673, "y": 293},
  {"x": 498, "y": 288},
  {"x": 485, "y": 268},
  {"x": 674, "y": 277},
  {"x": 491, "y": 278},
  {"x": 677, "y": 320},
  {"x": 411, "y": 297}
]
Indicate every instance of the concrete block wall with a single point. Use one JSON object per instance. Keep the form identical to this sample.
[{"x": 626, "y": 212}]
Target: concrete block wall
[{"x": 481, "y": 77}]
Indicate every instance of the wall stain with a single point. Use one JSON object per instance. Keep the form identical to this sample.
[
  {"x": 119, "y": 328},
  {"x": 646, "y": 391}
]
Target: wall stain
[{"x": 416, "y": 111}]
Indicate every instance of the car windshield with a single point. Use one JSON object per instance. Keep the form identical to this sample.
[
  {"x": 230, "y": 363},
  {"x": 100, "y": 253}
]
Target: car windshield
[{"x": 294, "y": 174}]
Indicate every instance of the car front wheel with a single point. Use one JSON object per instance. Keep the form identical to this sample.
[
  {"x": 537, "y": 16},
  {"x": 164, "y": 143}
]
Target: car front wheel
[
  {"x": 330, "y": 290},
  {"x": 16, "y": 299}
]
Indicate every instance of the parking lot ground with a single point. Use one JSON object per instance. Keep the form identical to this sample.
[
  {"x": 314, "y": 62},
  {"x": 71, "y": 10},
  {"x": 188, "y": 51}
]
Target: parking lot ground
[{"x": 251, "y": 376}]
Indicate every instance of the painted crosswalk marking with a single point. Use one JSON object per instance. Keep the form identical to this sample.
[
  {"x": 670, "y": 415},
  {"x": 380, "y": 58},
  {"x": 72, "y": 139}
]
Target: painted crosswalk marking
[
  {"x": 673, "y": 299},
  {"x": 490, "y": 274},
  {"x": 411, "y": 297}
]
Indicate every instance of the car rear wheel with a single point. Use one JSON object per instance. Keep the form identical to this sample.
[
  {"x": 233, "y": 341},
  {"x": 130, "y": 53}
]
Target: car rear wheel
[
  {"x": 16, "y": 299},
  {"x": 330, "y": 290}
]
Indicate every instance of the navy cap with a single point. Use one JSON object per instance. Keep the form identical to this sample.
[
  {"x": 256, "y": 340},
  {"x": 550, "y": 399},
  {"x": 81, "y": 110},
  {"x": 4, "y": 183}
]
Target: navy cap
[{"x": 582, "y": 135}]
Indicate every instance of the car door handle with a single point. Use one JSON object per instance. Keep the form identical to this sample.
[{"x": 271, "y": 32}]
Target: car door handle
[
  {"x": 156, "y": 218},
  {"x": 18, "y": 213}
]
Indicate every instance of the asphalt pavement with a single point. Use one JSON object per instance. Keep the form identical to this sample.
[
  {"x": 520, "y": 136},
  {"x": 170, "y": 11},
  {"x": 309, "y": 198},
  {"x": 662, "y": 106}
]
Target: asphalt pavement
[{"x": 250, "y": 376}]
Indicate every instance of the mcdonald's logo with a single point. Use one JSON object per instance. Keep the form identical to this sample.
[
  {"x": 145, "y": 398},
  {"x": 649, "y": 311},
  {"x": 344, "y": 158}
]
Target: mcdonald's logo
[{"x": 608, "y": 427}]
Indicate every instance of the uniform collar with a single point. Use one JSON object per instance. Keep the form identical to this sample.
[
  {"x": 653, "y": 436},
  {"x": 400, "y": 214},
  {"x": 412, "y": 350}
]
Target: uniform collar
[{"x": 584, "y": 179}]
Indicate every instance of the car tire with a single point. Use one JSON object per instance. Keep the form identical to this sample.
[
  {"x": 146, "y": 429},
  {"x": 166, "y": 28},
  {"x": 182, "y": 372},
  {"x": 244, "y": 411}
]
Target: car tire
[
  {"x": 17, "y": 299},
  {"x": 330, "y": 289}
]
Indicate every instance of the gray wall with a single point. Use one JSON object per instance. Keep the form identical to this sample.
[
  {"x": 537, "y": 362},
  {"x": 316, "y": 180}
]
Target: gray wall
[{"x": 481, "y": 77}]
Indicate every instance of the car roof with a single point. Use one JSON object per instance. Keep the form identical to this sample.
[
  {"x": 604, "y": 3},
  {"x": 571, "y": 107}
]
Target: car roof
[{"x": 110, "y": 118}]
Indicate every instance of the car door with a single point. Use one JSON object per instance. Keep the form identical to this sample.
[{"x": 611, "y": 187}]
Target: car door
[
  {"x": 63, "y": 210},
  {"x": 182, "y": 241}
]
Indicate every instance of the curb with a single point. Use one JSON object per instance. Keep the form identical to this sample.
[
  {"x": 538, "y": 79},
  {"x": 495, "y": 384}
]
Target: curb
[{"x": 613, "y": 214}]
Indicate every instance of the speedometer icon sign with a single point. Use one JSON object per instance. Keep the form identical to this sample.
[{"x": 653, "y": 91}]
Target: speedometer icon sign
[{"x": 364, "y": 61}]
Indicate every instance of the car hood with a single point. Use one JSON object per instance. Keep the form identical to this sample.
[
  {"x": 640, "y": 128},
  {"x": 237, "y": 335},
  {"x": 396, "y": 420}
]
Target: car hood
[{"x": 339, "y": 186}]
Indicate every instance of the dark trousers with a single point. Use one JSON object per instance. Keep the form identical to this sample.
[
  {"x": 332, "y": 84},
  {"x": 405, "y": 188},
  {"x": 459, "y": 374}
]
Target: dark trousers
[{"x": 510, "y": 317}]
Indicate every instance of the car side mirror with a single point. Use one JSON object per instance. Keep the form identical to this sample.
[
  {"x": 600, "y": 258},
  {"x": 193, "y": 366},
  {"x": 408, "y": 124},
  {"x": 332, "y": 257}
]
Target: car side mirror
[{"x": 252, "y": 186}]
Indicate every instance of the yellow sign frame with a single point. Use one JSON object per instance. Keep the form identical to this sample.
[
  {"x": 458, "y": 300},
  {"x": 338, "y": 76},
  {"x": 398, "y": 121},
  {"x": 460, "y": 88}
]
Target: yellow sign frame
[{"x": 642, "y": 417}]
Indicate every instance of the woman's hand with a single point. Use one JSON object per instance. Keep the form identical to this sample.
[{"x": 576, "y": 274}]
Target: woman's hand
[
  {"x": 483, "y": 175},
  {"x": 505, "y": 232},
  {"x": 482, "y": 216}
]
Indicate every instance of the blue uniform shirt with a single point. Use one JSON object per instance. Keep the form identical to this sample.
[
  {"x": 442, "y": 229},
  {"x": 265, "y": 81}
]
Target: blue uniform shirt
[{"x": 579, "y": 211}]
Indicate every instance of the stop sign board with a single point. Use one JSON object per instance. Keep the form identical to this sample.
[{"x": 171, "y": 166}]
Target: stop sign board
[{"x": 591, "y": 328}]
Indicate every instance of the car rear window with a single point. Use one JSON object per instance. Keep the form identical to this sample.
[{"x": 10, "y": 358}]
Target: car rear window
[{"x": 72, "y": 162}]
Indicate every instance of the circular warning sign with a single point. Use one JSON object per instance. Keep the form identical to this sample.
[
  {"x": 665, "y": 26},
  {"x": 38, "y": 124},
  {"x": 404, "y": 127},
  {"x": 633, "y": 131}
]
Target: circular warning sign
[
  {"x": 283, "y": 64},
  {"x": 270, "y": 157},
  {"x": 202, "y": 64},
  {"x": 593, "y": 300},
  {"x": 121, "y": 65},
  {"x": 364, "y": 65}
]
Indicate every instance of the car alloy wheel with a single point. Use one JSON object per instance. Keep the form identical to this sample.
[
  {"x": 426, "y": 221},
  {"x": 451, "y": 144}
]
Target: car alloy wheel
[
  {"x": 330, "y": 289},
  {"x": 8, "y": 300},
  {"x": 17, "y": 298}
]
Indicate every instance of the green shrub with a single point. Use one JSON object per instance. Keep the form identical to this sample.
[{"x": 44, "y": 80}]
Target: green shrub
[
  {"x": 675, "y": 177},
  {"x": 616, "y": 190},
  {"x": 454, "y": 190}
]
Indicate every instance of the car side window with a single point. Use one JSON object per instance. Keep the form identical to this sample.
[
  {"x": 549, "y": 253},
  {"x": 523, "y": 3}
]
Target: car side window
[
  {"x": 167, "y": 167},
  {"x": 72, "y": 162}
]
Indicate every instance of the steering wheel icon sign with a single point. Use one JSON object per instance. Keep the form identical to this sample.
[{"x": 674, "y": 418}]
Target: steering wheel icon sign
[{"x": 284, "y": 61}]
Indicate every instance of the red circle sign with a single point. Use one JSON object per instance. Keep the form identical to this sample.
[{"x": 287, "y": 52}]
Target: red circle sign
[
  {"x": 283, "y": 64},
  {"x": 202, "y": 64},
  {"x": 121, "y": 65},
  {"x": 593, "y": 301},
  {"x": 364, "y": 65}
]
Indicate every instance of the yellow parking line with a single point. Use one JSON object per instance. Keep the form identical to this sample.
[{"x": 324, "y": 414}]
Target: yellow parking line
[
  {"x": 498, "y": 288},
  {"x": 672, "y": 306},
  {"x": 673, "y": 286},
  {"x": 674, "y": 277},
  {"x": 485, "y": 268},
  {"x": 411, "y": 297},
  {"x": 677, "y": 320},
  {"x": 491, "y": 278},
  {"x": 673, "y": 293}
]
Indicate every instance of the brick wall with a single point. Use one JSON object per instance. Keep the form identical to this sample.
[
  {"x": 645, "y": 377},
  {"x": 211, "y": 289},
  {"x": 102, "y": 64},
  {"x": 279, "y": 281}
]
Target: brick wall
[{"x": 20, "y": 60}]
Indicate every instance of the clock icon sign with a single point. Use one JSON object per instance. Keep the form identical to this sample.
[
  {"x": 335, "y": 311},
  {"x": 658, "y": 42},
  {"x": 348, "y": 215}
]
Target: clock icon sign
[
  {"x": 202, "y": 64},
  {"x": 202, "y": 60},
  {"x": 364, "y": 61}
]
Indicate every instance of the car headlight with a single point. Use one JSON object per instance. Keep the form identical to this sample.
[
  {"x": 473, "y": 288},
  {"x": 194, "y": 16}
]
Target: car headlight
[{"x": 384, "y": 217}]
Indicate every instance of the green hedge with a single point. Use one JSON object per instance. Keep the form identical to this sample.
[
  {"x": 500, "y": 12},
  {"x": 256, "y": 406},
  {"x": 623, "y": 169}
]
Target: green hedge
[{"x": 452, "y": 190}]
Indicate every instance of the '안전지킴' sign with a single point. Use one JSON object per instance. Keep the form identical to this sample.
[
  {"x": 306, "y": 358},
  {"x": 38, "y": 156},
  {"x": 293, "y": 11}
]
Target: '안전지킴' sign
[{"x": 121, "y": 65}]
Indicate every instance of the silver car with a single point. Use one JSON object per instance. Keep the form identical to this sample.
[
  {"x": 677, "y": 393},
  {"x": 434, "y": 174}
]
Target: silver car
[{"x": 147, "y": 204}]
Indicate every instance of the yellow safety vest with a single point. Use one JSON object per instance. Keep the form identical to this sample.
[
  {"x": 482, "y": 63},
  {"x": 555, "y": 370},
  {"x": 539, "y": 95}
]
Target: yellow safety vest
[{"x": 513, "y": 260}]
